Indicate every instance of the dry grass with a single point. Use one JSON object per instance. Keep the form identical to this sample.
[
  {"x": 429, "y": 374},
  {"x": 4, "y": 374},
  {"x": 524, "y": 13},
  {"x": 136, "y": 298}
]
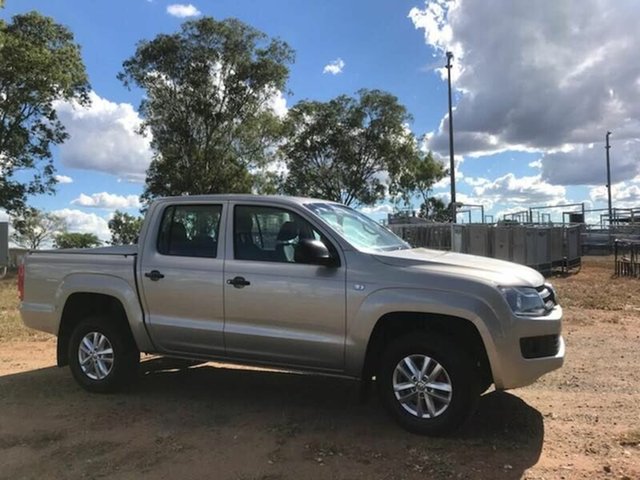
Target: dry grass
[
  {"x": 595, "y": 287},
  {"x": 11, "y": 326}
]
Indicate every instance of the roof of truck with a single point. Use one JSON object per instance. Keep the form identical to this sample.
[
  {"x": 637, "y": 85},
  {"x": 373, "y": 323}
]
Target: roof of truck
[{"x": 244, "y": 197}]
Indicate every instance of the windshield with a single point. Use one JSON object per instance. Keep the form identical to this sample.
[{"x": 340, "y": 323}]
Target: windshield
[{"x": 358, "y": 229}]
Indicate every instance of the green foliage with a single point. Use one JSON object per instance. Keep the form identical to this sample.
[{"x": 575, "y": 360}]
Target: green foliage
[
  {"x": 76, "y": 240},
  {"x": 39, "y": 64},
  {"x": 207, "y": 90},
  {"x": 33, "y": 227},
  {"x": 417, "y": 180},
  {"x": 124, "y": 228},
  {"x": 434, "y": 209},
  {"x": 342, "y": 149},
  {"x": 266, "y": 182}
]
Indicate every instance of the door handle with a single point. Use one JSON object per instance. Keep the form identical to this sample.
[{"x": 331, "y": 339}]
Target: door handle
[
  {"x": 154, "y": 275},
  {"x": 238, "y": 282}
]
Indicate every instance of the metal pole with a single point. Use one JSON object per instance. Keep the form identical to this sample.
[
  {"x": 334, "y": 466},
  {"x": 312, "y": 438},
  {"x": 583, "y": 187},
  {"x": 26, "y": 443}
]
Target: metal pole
[
  {"x": 482, "y": 212},
  {"x": 607, "y": 148},
  {"x": 452, "y": 165}
]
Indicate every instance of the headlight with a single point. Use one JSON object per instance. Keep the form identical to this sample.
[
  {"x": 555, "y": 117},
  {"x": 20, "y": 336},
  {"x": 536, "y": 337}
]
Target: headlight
[{"x": 525, "y": 301}]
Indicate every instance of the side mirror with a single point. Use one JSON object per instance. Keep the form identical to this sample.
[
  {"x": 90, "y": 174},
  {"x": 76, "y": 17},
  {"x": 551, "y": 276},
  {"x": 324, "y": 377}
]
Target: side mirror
[{"x": 314, "y": 252}]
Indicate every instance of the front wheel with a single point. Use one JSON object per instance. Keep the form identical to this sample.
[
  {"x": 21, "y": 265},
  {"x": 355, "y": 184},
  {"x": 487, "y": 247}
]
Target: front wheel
[
  {"x": 427, "y": 383},
  {"x": 102, "y": 355}
]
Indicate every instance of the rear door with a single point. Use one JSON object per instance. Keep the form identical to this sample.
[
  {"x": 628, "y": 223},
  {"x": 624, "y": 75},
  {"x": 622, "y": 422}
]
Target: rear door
[
  {"x": 277, "y": 310},
  {"x": 182, "y": 278}
]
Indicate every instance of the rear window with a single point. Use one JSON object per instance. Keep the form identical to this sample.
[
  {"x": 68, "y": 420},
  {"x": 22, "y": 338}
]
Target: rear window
[{"x": 190, "y": 231}]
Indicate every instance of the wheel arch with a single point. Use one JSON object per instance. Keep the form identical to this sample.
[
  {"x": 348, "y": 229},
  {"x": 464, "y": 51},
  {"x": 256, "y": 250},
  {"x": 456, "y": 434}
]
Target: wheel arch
[
  {"x": 80, "y": 305},
  {"x": 408, "y": 308},
  {"x": 80, "y": 295},
  {"x": 398, "y": 323}
]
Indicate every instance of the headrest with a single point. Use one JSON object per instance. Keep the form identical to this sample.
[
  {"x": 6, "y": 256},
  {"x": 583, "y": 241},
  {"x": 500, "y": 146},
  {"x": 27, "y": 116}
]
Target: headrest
[{"x": 288, "y": 231}]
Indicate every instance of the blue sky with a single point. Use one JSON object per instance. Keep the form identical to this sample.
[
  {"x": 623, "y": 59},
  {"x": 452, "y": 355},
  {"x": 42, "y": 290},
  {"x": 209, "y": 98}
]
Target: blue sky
[{"x": 530, "y": 131}]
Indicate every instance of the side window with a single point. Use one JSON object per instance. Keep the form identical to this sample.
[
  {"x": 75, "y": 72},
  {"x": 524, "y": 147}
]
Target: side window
[
  {"x": 190, "y": 230},
  {"x": 270, "y": 234}
]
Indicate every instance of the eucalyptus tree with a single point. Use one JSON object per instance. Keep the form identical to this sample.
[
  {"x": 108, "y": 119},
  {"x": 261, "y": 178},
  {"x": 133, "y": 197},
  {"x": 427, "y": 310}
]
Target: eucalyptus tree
[{"x": 208, "y": 90}]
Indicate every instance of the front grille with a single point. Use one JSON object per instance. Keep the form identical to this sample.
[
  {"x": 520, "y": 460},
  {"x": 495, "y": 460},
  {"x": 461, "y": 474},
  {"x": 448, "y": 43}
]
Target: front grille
[
  {"x": 538, "y": 347},
  {"x": 548, "y": 297}
]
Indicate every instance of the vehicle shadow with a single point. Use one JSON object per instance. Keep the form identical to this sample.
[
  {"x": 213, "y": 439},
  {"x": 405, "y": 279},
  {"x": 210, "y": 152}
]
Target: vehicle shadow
[
  {"x": 306, "y": 419},
  {"x": 504, "y": 435}
]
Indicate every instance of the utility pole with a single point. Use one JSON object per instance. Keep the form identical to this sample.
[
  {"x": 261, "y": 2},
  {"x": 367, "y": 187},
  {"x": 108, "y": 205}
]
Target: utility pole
[
  {"x": 452, "y": 166},
  {"x": 607, "y": 148}
]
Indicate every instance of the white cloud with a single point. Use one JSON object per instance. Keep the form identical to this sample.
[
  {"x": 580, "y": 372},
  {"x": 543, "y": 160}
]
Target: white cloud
[
  {"x": 623, "y": 195},
  {"x": 539, "y": 79},
  {"x": 536, "y": 164},
  {"x": 277, "y": 103},
  {"x": 381, "y": 209},
  {"x": 335, "y": 67},
  {"x": 464, "y": 199},
  {"x": 63, "y": 179},
  {"x": 445, "y": 181},
  {"x": 81, "y": 222},
  {"x": 103, "y": 137},
  {"x": 525, "y": 191},
  {"x": 437, "y": 31},
  {"x": 107, "y": 201},
  {"x": 476, "y": 181},
  {"x": 181, "y": 10}
]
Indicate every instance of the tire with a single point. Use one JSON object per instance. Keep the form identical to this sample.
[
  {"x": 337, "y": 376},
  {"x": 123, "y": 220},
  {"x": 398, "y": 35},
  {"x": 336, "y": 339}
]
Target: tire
[
  {"x": 109, "y": 371},
  {"x": 427, "y": 407},
  {"x": 485, "y": 384}
]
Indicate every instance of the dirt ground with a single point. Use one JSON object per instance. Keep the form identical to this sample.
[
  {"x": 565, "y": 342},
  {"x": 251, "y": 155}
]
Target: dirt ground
[{"x": 211, "y": 421}]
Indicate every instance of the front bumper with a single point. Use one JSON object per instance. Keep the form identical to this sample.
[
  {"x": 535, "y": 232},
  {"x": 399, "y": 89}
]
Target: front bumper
[{"x": 514, "y": 370}]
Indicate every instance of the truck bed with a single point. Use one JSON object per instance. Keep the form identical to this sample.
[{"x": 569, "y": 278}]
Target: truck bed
[{"x": 49, "y": 274}]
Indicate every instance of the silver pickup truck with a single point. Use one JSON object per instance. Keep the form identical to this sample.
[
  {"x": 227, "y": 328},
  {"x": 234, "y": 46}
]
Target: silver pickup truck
[{"x": 299, "y": 284}]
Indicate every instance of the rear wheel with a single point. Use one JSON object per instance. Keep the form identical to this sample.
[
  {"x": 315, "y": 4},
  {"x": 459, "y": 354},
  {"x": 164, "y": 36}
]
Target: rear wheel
[
  {"x": 102, "y": 355},
  {"x": 428, "y": 384}
]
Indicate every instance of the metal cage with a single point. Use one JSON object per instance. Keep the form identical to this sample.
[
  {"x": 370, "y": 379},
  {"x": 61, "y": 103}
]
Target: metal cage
[{"x": 627, "y": 258}]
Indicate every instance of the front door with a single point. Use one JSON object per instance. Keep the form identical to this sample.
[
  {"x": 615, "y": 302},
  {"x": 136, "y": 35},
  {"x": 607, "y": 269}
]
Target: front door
[
  {"x": 278, "y": 310},
  {"x": 182, "y": 279}
]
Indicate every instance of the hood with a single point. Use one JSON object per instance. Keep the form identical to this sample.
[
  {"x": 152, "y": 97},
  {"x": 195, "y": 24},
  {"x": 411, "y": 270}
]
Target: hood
[{"x": 495, "y": 271}]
